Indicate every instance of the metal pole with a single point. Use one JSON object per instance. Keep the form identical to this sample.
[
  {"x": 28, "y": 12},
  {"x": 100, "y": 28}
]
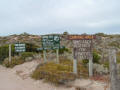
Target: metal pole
[
  {"x": 44, "y": 55},
  {"x": 9, "y": 52},
  {"x": 57, "y": 53},
  {"x": 113, "y": 70},
  {"x": 75, "y": 62}
]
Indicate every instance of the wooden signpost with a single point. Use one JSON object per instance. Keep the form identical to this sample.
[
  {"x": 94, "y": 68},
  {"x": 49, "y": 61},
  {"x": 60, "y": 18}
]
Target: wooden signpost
[
  {"x": 83, "y": 48},
  {"x": 51, "y": 42}
]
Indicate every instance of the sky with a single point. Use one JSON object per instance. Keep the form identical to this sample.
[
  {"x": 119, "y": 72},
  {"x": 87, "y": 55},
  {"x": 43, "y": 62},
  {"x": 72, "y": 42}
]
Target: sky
[{"x": 57, "y": 16}]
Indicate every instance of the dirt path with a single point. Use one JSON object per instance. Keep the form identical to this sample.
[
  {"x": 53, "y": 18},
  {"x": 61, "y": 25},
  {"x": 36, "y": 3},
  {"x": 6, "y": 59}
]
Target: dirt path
[{"x": 12, "y": 79}]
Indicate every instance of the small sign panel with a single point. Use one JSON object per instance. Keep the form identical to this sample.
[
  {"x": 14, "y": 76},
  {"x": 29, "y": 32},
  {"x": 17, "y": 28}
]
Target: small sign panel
[{"x": 20, "y": 47}]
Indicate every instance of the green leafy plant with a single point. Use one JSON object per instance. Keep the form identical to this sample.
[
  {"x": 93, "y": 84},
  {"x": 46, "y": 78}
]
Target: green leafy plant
[{"x": 96, "y": 58}]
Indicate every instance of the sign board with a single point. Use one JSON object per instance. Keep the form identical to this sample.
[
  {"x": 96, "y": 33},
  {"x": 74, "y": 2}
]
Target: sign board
[
  {"x": 81, "y": 37},
  {"x": 82, "y": 45},
  {"x": 20, "y": 47},
  {"x": 50, "y": 42}
]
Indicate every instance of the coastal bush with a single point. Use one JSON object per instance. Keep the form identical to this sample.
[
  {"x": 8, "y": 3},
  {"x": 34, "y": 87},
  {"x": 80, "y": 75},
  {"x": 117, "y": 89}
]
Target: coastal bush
[
  {"x": 58, "y": 73},
  {"x": 96, "y": 58},
  {"x": 4, "y": 50},
  {"x": 25, "y": 55},
  {"x": 15, "y": 61}
]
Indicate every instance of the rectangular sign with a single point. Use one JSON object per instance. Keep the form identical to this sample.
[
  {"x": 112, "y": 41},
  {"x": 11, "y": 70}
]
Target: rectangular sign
[
  {"x": 81, "y": 37},
  {"x": 20, "y": 47},
  {"x": 83, "y": 49},
  {"x": 50, "y": 42}
]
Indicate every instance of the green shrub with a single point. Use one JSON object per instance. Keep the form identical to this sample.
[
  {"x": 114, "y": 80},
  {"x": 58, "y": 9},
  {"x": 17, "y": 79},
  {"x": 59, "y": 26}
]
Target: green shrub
[
  {"x": 96, "y": 58},
  {"x": 57, "y": 73},
  {"x": 101, "y": 34},
  {"x": 31, "y": 47},
  {"x": 115, "y": 44},
  {"x": 62, "y": 50},
  {"x": 4, "y": 52},
  {"x": 85, "y": 61},
  {"x": 106, "y": 65},
  {"x": 25, "y": 55},
  {"x": 118, "y": 57},
  {"x": 15, "y": 61}
]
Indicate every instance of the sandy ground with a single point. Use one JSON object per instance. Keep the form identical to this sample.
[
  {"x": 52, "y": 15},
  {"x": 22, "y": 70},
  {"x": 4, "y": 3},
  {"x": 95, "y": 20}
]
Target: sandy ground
[{"x": 18, "y": 78}]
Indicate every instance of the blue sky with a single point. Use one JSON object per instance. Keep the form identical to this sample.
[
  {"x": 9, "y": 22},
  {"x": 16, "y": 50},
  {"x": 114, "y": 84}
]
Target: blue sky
[{"x": 57, "y": 16}]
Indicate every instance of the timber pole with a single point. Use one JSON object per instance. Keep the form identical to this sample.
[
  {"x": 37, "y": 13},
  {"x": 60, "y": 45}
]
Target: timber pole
[
  {"x": 113, "y": 70},
  {"x": 9, "y": 52}
]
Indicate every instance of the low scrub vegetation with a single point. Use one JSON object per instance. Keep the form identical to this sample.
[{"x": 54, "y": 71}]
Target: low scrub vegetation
[
  {"x": 58, "y": 73},
  {"x": 15, "y": 61},
  {"x": 25, "y": 55},
  {"x": 118, "y": 57},
  {"x": 115, "y": 44},
  {"x": 4, "y": 52},
  {"x": 96, "y": 58}
]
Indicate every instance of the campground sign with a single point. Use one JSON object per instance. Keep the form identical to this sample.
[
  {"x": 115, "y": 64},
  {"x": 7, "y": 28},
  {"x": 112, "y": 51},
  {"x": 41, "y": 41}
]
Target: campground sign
[
  {"x": 83, "y": 49},
  {"x": 82, "y": 45}
]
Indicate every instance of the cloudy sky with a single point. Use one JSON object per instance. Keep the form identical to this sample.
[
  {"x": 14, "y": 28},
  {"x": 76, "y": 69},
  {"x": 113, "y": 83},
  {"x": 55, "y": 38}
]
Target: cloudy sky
[{"x": 57, "y": 16}]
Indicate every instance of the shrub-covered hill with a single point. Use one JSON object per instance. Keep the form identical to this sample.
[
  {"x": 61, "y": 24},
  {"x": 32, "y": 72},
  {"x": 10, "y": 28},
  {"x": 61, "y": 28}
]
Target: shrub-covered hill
[{"x": 102, "y": 42}]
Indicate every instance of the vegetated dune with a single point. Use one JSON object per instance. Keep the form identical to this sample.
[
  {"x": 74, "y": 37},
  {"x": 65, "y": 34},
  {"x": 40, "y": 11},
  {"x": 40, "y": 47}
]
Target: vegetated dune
[{"x": 18, "y": 78}]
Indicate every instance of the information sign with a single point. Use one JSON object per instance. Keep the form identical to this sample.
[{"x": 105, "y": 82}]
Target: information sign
[
  {"x": 82, "y": 45},
  {"x": 50, "y": 42},
  {"x": 20, "y": 47}
]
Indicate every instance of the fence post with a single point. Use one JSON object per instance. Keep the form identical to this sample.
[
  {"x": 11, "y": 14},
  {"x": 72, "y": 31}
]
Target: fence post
[
  {"x": 75, "y": 62},
  {"x": 44, "y": 55},
  {"x": 113, "y": 70},
  {"x": 57, "y": 53},
  {"x": 9, "y": 52},
  {"x": 91, "y": 66}
]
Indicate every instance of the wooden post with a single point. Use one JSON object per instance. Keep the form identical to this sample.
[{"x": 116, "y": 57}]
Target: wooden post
[
  {"x": 44, "y": 56},
  {"x": 91, "y": 61},
  {"x": 57, "y": 54},
  {"x": 91, "y": 66},
  {"x": 75, "y": 62},
  {"x": 113, "y": 70},
  {"x": 9, "y": 52}
]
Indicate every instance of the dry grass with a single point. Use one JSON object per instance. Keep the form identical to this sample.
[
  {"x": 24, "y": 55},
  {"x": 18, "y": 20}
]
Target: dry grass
[{"x": 58, "y": 73}]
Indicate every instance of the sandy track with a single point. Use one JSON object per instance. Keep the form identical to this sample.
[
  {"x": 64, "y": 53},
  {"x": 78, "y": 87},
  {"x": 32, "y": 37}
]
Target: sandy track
[{"x": 9, "y": 80}]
